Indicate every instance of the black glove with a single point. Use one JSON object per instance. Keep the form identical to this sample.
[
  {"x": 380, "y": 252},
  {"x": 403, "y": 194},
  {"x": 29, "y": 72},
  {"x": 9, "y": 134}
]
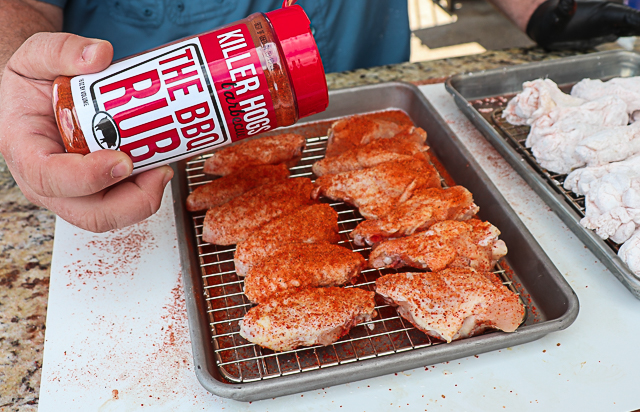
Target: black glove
[{"x": 567, "y": 24}]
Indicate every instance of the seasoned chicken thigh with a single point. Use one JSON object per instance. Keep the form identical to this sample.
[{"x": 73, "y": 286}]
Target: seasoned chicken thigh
[
  {"x": 453, "y": 303},
  {"x": 425, "y": 207},
  {"x": 222, "y": 190},
  {"x": 311, "y": 224},
  {"x": 351, "y": 132},
  {"x": 235, "y": 220},
  {"x": 446, "y": 244},
  {"x": 375, "y": 191},
  {"x": 402, "y": 146},
  {"x": 296, "y": 266},
  {"x": 317, "y": 316},
  {"x": 282, "y": 148}
]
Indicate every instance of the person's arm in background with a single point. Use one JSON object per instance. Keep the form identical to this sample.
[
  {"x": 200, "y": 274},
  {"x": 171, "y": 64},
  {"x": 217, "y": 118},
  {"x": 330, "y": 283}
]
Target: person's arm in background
[
  {"x": 93, "y": 191},
  {"x": 567, "y": 24}
]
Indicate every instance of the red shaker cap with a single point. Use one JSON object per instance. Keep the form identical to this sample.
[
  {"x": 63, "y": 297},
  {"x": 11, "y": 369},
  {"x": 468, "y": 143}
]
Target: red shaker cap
[{"x": 292, "y": 28}]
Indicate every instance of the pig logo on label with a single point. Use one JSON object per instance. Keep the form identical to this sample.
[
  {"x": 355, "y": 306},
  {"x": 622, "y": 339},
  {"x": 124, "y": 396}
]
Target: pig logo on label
[{"x": 105, "y": 131}]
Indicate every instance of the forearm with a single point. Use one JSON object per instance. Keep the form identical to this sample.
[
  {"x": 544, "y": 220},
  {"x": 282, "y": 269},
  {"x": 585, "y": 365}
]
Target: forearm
[
  {"x": 20, "y": 19},
  {"x": 518, "y": 11}
]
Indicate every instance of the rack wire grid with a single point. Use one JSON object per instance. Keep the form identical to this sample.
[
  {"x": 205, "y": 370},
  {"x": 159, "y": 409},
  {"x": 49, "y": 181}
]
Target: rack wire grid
[
  {"x": 238, "y": 360},
  {"x": 516, "y": 136}
]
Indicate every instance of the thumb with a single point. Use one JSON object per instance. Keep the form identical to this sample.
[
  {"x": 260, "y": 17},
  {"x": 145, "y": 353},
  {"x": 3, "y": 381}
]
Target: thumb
[{"x": 45, "y": 56}]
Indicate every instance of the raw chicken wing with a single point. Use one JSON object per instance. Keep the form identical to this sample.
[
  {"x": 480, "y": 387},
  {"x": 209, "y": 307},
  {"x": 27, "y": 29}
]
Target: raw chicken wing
[
  {"x": 375, "y": 191},
  {"x": 235, "y": 220},
  {"x": 401, "y": 146},
  {"x": 317, "y": 316},
  {"x": 538, "y": 98},
  {"x": 446, "y": 244},
  {"x": 283, "y": 148},
  {"x": 425, "y": 207},
  {"x": 311, "y": 224},
  {"x": 453, "y": 303},
  {"x": 351, "y": 132},
  {"x": 297, "y": 266},
  {"x": 222, "y": 190}
]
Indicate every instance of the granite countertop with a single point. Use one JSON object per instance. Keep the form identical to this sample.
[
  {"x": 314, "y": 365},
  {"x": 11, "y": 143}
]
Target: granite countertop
[{"x": 27, "y": 234}]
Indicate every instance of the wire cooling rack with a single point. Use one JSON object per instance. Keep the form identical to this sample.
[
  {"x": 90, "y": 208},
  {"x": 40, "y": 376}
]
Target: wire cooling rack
[
  {"x": 241, "y": 361},
  {"x": 516, "y": 136}
]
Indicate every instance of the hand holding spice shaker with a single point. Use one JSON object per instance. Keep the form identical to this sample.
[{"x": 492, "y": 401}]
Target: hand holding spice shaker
[{"x": 202, "y": 93}]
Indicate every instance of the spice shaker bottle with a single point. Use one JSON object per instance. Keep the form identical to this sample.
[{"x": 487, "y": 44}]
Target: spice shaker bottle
[{"x": 196, "y": 94}]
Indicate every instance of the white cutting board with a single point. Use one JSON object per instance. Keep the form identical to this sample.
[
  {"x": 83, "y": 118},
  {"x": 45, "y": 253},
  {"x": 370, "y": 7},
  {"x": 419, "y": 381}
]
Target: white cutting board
[{"x": 116, "y": 322}]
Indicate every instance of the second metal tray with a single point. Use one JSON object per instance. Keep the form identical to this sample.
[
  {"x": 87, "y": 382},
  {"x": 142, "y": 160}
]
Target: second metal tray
[
  {"x": 481, "y": 97},
  {"x": 229, "y": 366}
]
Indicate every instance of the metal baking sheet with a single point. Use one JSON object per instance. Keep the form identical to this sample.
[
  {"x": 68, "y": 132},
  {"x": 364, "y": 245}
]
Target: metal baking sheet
[
  {"x": 483, "y": 95},
  {"x": 229, "y": 366}
]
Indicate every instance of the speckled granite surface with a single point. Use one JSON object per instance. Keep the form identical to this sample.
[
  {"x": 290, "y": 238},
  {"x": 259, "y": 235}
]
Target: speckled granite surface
[{"x": 26, "y": 235}]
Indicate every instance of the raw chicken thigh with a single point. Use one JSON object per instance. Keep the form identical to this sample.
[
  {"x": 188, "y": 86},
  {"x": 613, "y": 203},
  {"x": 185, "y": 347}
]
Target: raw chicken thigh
[
  {"x": 538, "y": 98},
  {"x": 446, "y": 244},
  {"x": 453, "y": 303},
  {"x": 317, "y": 316},
  {"x": 626, "y": 88},
  {"x": 611, "y": 144},
  {"x": 629, "y": 252}
]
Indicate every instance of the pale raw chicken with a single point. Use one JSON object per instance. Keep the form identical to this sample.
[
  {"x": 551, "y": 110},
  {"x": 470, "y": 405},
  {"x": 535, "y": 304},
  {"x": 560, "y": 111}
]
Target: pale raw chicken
[
  {"x": 612, "y": 144},
  {"x": 628, "y": 89},
  {"x": 351, "y": 132},
  {"x": 222, "y": 190},
  {"x": 425, "y": 207},
  {"x": 446, "y": 244},
  {"x": 453, "y": 303},
  {"x": 375, "y": 191},
  {"x": 538, "y": 98},
  {"x": 629, "y": 252},
  {"x": 268, "y": 150},
  {"x": 316, "y": 316},
  {"x": 311, "y": 224},
  {"x": 402, "y": 146},
  {"x": 554, "y": 137},
  {"x": 612, "y": 198},
  {"x": 235, "y": 220},
  {"x": 297, "y": 266}
]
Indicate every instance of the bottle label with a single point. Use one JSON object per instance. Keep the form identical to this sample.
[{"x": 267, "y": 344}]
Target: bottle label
[{"x": 177, "y": 101}]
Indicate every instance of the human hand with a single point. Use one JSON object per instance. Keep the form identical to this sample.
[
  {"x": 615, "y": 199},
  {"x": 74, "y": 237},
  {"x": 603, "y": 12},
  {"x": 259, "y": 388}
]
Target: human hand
[
  {"x": 92, "y": 191},
  {"x": 567, "y": 24}
]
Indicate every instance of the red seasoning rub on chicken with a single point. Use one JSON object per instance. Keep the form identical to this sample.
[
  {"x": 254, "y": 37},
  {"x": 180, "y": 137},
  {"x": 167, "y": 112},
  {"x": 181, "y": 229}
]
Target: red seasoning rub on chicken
[
  {"x": 453, "y": 303},
  {"x": 311, "y": 224},
  {"x": 350, "y": 132},
  {"x": 425, "y": 207},
  {"x": 222, "y": 190},
  {"x": 297, "y": 266},
  {"x": 376, "y": 191},
  {"x": 235, "y": 220},
  {"x": 268, "y": 150},
  {"x": 446, "y": 244},
  {"x": 317, "y": 316},
  {"x": 401, "y": 146}
]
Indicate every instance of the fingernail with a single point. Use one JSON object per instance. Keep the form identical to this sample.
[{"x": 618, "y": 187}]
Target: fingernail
[
  {"x": 120, "y": 170},
  {"x": 89, "y": 52},
  {"x": 167, "y": 177}
]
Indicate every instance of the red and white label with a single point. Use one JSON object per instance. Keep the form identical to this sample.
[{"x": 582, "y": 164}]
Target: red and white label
[{"x": 177, "y": 101}]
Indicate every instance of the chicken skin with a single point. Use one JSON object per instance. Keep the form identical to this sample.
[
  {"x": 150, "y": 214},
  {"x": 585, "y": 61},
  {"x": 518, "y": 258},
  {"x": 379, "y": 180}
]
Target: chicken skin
[
  {"x": 375, "y": 191},
  {"x": 268, "y": 150},
  {"x": 235, "y": 220},
  {"x": 311, "y": 224},
  {"x": 402, "y": 146},
  {"x": 297, "y": 266},
  {"x": 220, "y": 191},
  {"x": 351, "y": 132},
  {"x": 446, "y": 244},
  {"x": 453, "y": 303},
  {"x": 317, "y": 316},
  {"x": 425, "y": 207}
]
